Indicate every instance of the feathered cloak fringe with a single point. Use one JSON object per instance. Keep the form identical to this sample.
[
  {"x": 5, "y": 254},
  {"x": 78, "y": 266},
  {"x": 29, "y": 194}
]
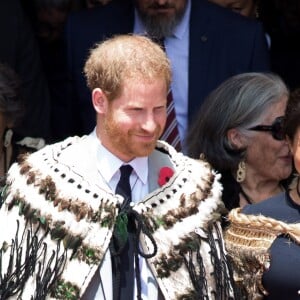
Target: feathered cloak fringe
[{"x": 56, "y": 227}]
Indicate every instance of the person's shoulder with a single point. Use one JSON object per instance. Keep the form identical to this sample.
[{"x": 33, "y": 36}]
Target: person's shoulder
[
  {"x": 193, "y": 179},
  {"x": 196, "y": 167},
  {"x": 111, "y": 10},
  {"x": 59, "y": 149},
  {"x": 84, "y": 28},
  {"x": 219, "y": 15},
  {"x": 58, "y": 158},
  {"x": 267, "y": 207}
]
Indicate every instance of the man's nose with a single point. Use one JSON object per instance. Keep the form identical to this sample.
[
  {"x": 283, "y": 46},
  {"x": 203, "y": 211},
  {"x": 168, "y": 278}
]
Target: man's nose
[{"x": 149, "y": 123}]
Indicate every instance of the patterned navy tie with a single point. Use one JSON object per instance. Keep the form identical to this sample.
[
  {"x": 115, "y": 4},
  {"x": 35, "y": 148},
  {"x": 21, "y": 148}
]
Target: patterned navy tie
[{"x": 171, "y": 132}]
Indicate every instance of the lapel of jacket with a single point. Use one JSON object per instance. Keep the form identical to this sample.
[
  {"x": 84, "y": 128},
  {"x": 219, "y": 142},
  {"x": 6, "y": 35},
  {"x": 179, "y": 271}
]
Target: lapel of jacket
[
  {"x": 156, "y": 161},
  {"x": 199, "y": 55}
]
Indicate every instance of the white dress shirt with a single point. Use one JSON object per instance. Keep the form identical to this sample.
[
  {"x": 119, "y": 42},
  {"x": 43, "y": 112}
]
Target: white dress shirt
[{"x": 109, "y": 174}]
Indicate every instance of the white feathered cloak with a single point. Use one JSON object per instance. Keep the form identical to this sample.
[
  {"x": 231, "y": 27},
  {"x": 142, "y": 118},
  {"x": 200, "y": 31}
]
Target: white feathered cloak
[{"x": 56, "y": 224}]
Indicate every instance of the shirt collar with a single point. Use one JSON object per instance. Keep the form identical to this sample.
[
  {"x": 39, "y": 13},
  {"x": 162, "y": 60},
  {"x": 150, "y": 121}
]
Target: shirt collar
[
  {"x": 111, "y": 164},
  {"x": 179, "y": 30}
]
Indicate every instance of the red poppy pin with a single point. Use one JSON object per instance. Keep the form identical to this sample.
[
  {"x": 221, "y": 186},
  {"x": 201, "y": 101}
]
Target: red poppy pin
[{"x": 165, "y": 173}]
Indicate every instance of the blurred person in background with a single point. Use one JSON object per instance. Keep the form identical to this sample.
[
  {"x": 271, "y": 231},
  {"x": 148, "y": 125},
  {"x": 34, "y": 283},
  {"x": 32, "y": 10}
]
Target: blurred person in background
[
  {"x": 19, "y": 50},
  {"x": 48, "y": 19},
  {"x": 12, "y": 110},
  {"x": 205, "y": 43}
]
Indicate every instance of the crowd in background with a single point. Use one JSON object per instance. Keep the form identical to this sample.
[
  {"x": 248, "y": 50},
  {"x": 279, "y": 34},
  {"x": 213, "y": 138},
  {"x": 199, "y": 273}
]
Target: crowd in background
[{"x": 47, "y": 18}]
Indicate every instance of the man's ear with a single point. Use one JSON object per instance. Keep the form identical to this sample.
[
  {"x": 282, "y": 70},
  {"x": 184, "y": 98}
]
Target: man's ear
[
  {"x": 235, "y": 138},
  {"x": 100, "y": 101}
]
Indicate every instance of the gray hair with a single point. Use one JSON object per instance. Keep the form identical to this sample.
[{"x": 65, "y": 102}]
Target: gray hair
[{"x": 239, "y": 102}]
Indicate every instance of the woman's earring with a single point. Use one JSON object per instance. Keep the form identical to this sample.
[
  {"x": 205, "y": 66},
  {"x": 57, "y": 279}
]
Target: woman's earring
[{"x": 241, "y": 172}]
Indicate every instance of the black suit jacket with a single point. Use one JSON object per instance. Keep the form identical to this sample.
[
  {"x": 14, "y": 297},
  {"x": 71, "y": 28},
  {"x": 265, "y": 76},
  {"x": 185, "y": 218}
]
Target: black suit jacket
[{"x": 222, "y": 44}]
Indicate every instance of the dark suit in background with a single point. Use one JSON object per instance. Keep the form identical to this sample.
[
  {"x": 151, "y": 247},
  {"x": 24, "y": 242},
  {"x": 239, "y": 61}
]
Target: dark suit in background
[
  {"x": 20, "y": 51},
  {"x": 222, "y": 44}
]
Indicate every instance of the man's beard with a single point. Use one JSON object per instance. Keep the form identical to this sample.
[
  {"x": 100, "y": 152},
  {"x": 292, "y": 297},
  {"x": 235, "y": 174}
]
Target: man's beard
[
  {"x": 122, "y": 141},
  {"x": 159, "y": 26}
]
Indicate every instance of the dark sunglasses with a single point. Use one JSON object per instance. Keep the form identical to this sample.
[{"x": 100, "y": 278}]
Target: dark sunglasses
[{"x": 276, "y": 129}]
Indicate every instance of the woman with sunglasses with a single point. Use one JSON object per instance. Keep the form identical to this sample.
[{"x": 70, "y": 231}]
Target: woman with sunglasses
[
  {"x": 239, "y": 132},
  {"x": 263, "y": 240}
]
